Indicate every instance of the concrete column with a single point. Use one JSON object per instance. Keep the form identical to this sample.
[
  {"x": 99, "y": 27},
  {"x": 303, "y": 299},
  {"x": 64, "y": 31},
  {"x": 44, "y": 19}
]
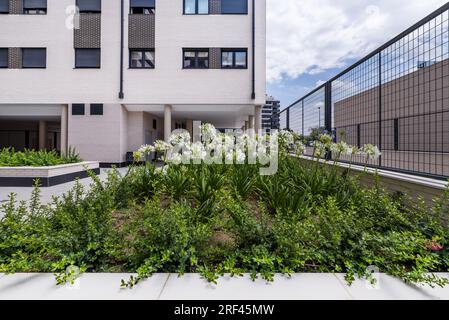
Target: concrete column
[
  {"x": 64, "y": 129},
  {"x": 257, "y": 118},
  {"x": 42, "y": 135},
  {"x": 167, "y": 122},
  {"x": 246, "y": 125},
  {"x": 251, "y": 122}
]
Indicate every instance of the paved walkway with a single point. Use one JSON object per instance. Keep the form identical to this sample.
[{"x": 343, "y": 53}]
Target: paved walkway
[
  {"x": 191, "y": 287},
  {"x": 24, "y": 193}
]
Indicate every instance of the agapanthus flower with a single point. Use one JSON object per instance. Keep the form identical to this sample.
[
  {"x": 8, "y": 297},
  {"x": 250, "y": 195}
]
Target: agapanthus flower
[
  {"x": 161, "y": 146},
  {"x": 326, "y": 140},
  {"x": 341, "y": 148},
  {"x": 371, "y": 151},
  {"x": 181, "y": 138}
]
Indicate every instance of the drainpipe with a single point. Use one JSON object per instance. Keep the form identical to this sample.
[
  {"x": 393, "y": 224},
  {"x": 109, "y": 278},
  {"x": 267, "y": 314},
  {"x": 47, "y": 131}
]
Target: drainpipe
[
  {"x": 253, "y": 94},
  {"x": 121, "y": 95}
]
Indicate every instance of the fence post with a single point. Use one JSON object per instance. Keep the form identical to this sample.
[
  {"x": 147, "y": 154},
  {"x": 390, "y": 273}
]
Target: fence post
[
  {"x": 380, "y": 107},
  {"x": 328, "y": 112},
  {"x": 302, "y": 118}
]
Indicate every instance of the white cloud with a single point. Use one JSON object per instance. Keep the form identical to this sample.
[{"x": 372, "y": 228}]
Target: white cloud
[{"x": 310, "y": 36}]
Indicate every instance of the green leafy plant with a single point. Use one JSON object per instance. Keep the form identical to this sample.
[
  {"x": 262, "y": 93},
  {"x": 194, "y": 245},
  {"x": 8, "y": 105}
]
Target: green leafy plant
[{"x": 11, "y": 158}]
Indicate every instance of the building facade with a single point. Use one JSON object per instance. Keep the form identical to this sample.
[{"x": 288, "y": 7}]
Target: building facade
[
  {"x": 105, "y": 77},
  {"x": 270, "y": 114}
]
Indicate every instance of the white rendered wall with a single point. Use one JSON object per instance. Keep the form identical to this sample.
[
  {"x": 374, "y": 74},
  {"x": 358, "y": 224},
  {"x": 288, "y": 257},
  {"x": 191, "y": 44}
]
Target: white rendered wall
[{"x": 167, "y": 84}]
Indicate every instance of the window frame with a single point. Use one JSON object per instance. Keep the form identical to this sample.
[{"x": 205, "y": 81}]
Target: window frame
[
  {"x": 152, "y": 9},
  {"x": 196, "y": 50},
  {"x": 196, "y": 9},
  {"x": 83, "y": 113},
  {"x": 32, "y": 48},
  {"x": 88, "y": 11},
  {"x": 143, "y": 58},
  {"x": 8, "y": 8},
  {"x": 26, "y": 10},
  {"x": 234, "y": 51},
  {"x": 234, "y": 13},
  {"x": 7, "y": 58},
  {"x": 88, "y": 67},
  {"x": 96, "y": 112}
]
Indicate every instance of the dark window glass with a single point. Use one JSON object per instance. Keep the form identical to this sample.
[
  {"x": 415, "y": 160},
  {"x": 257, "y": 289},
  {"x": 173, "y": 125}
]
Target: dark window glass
[
  {"x": 78, "y": 109},
  {"x": 4, "y": 6},
  {"x": 35, "y": 6},
  {"x": 34, "y": 58},
  {"x": 196, "y": 58},
  {"x": 154, "y": 124},
  {"x": 142, "y": 6},
  {"x": 196, "y": 6},
  {"x": 89, "y": 6},
  {"x": 3, "y": 58},
  {"x": 87, "y": 58},
  {"x": 234, "y": 6},
  {"x": 96, "y": 109},
  {"x": 234, "y": 59},
  {"x": 141, "y": 59}
]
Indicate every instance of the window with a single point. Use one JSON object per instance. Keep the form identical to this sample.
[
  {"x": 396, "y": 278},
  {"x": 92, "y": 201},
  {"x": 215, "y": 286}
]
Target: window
[
  {"x": 234, "y": 6},
  {"x": 142, "y": 6},
  {"x": 154, "y": 124},
  {"x": 196, "y": 58},
  {"x": 4, "y": 6},
  {"x": 35, "y": 6},
  {"x": 96, "y": 109},
  {"x": 34, "y": 58},
  {"x": 196, "y": 6},
  {"x": 141, "y": 59},
  {"x": 234, "y": 58},
  {"x": 78, "y": 109},
  {"x": 87, "y": 58},
  {"x": 89, "y": 6},
  {"x": 3, "y": 58}
]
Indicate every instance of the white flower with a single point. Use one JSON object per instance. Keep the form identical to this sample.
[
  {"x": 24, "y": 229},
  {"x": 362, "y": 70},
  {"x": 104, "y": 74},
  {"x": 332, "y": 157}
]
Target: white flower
[
  {"x": 161, "y": 146},
  {"x": 319, "y": 149},
  {"x": 146, "y": 149},
  {"x": 175, "y": 158},
  {"x": 229, "y": 156},
  {"x": 208, "y": 132},
  {"x": 326, "y": 139},
  {"x": 286, "y": 137},
  {"x": 197, "y": 151},
  {"x": 240, "y": 156},
  {"x": 162, "y": 170},
  {"x": 370, "y": 151},
  {"x": 300, "y": 148},
  {"x": 341, "y": 148},
  {"x": 182, "y": 138}
]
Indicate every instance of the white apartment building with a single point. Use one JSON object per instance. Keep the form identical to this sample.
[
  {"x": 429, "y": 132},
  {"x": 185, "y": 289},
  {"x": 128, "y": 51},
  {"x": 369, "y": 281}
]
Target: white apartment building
[{"x": 121, "y": 73}]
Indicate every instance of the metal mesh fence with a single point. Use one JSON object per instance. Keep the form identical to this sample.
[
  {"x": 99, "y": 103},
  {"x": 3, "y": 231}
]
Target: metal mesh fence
[{"x": 396, "y": 98}]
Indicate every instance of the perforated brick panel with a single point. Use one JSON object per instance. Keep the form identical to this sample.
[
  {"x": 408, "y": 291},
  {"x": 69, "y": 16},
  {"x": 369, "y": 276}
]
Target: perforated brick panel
[
  {"x": 14, "y": 58},
  {"x": 88, "y": 36},
  {"x": 16, "y": 6},
  {"x": 141, "y": 31},
  {"x": 214, "y": 58},
  {"x": 215, "y": 6}
]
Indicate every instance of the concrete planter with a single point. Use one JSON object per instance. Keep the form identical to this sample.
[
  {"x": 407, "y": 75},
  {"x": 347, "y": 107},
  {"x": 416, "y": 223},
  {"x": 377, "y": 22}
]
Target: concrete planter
[
  {"x": 48, "y": 176},
  {"x": 169, "y": 286}
]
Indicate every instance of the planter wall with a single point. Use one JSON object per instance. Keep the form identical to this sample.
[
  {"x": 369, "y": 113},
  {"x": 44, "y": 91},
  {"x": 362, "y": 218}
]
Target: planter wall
[{"x": 48, "y": 176}]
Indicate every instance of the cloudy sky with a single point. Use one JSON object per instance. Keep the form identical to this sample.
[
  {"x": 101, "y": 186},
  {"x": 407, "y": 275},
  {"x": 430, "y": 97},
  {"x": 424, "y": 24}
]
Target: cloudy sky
[{"x": 309, "y": 41}]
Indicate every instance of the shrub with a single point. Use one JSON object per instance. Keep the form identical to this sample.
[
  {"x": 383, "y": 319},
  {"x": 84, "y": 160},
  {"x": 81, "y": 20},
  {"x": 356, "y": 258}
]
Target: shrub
[{"x": 11, "y": 158}]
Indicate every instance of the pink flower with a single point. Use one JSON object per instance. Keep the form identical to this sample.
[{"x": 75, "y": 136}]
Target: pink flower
[{"x": 434, "y": 246}]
